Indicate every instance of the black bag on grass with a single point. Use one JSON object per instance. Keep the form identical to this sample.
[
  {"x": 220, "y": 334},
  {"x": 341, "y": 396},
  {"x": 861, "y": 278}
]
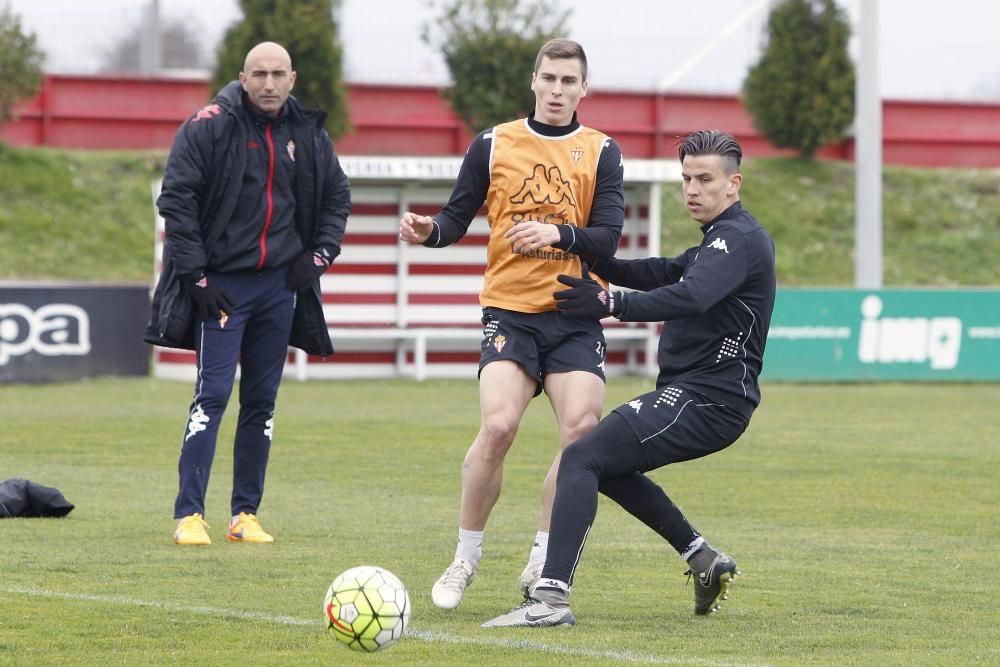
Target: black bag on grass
[{"x": 22, "y": 498}]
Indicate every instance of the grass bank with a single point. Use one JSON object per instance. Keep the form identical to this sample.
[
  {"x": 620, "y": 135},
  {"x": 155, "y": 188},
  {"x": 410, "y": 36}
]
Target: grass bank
[{"x": 84, "y": 215}]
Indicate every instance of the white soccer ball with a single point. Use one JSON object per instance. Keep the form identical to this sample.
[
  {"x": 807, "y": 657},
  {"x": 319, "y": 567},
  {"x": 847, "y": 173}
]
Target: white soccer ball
[{"x": 367, "y": 608}]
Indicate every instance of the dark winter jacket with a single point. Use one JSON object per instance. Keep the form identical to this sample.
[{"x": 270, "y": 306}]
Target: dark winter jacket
[
  {"x": 201, "y": 188},
  {"x": 24, "y": 498}
]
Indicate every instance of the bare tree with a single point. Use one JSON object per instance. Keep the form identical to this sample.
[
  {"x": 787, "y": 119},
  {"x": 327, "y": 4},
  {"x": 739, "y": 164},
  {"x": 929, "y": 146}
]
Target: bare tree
[{"x": 182, "y": 49}]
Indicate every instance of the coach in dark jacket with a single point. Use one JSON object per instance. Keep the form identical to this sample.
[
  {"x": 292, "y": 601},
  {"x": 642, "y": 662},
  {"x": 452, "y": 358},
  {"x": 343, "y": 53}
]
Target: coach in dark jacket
[
  {"x": 255, "y": 205},
  {"x": 197, "y": 218}
]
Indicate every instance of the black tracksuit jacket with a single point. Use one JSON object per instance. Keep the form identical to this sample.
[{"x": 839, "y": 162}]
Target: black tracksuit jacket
[{"x": 203, "y": 203}]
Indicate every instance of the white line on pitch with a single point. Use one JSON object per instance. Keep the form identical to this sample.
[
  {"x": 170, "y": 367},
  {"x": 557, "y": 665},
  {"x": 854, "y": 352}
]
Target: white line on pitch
[{"x": 423, "y": 635}]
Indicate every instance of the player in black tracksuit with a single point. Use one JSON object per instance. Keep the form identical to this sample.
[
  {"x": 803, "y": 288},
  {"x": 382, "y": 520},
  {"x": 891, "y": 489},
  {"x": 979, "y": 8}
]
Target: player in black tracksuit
[
  {"x": 255, "y": 205},
  {"x": 715, "y": 301}
]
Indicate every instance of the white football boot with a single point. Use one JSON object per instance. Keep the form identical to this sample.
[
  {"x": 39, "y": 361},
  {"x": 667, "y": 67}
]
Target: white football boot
[
  {"x": 448, "y": 590},
  {"x": 544, "y": 607}
]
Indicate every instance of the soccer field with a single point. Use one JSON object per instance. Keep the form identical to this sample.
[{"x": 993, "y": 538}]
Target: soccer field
[{"x": 864, "y": 518}]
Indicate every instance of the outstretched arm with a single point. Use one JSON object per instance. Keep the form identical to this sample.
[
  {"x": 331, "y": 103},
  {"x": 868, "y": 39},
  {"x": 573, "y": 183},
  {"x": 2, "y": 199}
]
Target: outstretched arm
[
  {"x": 415, "y": 229},
  {"x": 713, "y": 275},
  {"x": 466, "y": 199},
  {"x": 643, "y": 274}
]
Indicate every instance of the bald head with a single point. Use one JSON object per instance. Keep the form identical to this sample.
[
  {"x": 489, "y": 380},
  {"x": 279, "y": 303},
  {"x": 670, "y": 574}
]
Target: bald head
[
  {"x": 267, "y": 51},
  {"x": 268, "y": 77}
]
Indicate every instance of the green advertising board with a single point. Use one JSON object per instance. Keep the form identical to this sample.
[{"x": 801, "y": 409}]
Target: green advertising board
[{"x": 892, "y": 334}]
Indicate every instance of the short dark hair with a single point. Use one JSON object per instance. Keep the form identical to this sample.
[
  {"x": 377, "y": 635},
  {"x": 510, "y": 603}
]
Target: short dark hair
[
  {"x": 555, "y": 49},
  {"x": 713, "y": 142}
]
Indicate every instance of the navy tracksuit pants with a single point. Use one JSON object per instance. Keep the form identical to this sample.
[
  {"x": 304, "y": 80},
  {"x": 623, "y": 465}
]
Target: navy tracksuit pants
[{"x": 255, "y": 335}]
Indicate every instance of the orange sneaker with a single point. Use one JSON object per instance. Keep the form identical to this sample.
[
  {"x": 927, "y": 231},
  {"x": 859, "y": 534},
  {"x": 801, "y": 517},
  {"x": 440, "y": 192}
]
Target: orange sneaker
[{"x": 246, "y": 528}]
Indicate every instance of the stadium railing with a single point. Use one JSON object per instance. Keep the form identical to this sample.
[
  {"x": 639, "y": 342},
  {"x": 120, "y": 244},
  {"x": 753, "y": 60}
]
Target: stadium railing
[{"x": 397, "y": 310}]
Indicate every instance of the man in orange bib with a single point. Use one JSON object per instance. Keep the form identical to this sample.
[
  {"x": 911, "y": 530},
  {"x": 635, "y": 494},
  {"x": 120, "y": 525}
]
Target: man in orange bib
[{"x": 554, "y": 192}]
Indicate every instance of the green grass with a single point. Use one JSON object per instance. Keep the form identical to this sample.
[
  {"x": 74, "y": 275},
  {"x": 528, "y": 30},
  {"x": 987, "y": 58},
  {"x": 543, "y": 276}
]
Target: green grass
[
  {"x": 77, "y": 215},
  {"x": 89, "y": 216},
  {"x": 864, "y": 518},
  {"x": 941, "y": 227}
]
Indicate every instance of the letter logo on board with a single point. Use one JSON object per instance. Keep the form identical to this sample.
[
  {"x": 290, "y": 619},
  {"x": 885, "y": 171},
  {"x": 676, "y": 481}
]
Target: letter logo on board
[
  {"x": 915, "y": 340},
  {"x": 55, "y": 329}
]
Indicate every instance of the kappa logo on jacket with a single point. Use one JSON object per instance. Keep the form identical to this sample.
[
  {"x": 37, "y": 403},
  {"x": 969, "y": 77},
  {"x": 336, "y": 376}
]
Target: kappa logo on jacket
[
  {"x": 719, "y": 244},
  {"x": 206, "y": 112}
]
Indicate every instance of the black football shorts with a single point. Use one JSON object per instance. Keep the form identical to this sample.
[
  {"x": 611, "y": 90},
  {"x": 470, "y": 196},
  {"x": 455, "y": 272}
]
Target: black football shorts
[
  {"x": 674, "y": 423},
  {"x": 543, "y": 343}
]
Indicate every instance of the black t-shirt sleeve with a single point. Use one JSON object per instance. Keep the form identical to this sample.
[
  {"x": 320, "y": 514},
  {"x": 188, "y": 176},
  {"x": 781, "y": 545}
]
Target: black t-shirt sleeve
[{"x": 468, "y": 195}]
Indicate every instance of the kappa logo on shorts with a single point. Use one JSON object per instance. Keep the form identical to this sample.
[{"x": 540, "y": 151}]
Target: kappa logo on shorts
[
  {"x": 635, "y": 404},
  {"x": 499, "y": 342}
]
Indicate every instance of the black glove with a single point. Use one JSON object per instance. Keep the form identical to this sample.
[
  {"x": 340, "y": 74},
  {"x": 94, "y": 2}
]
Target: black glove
[
  {"x": 210, "y": 301},
  {"x": 586, "y": 298},
  {"x": 307, "y": 267}
]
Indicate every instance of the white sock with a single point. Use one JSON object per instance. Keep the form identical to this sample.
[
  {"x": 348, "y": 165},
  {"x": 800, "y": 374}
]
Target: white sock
[
  {"x": 537, "y": 554},
  {"x": 552, "y": 583},
  {"x": 691, "y": 548},
  {"x": 470, "y": 546}
]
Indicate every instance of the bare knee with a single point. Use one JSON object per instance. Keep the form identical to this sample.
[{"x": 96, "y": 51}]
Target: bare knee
[
  {"x": 579, "y": 427},
  {"x": 495, "y": 438}
]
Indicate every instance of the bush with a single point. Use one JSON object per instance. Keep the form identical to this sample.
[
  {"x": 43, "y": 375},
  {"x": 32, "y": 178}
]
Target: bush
[
  {"x": 801, "y": 92},
  {"x": 306, "y": 29},
  {"x": 490, "y": 48},
  {"x": 20, "y": 63}
]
